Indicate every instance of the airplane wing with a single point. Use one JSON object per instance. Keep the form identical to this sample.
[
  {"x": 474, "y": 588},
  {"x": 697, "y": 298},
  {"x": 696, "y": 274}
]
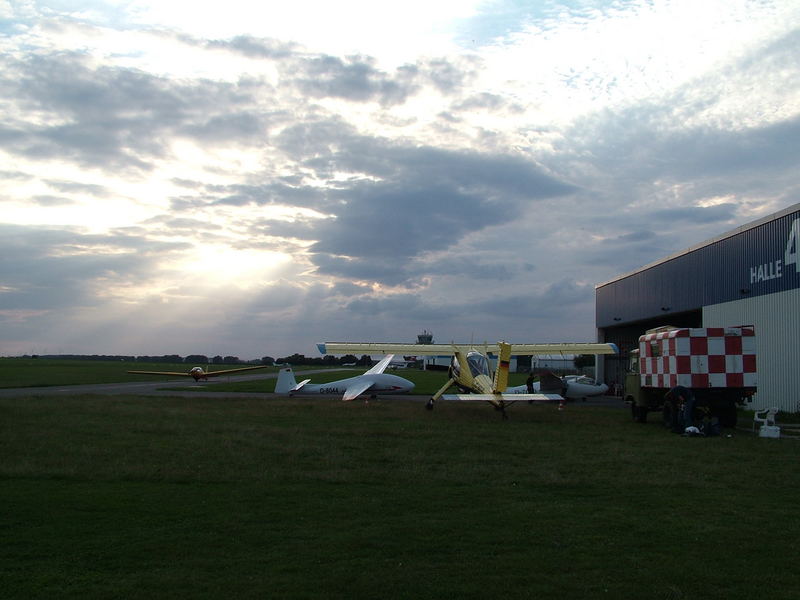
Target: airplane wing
[
  {"x": 300, "y": 385},
  {"x": 227, "y": 371},
  {"x": 381, "y": 366},
  {"x": 170, "y": 373},
  {"x": 382, "y": 348},
  {"x": 442, "y": 349},
  {"x": 507, "y": 397},
  {"x": 533, "y": 349},
  {"x": 356, "y": 389}
]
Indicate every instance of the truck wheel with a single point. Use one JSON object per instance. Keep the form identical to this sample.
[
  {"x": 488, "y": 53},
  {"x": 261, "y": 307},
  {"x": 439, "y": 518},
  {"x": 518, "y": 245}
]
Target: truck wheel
[{"x": 670, "y": 416}]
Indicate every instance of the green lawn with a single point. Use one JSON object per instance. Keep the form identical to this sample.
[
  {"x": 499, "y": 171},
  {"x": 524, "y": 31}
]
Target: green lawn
[{"x": 251, "y": 498}]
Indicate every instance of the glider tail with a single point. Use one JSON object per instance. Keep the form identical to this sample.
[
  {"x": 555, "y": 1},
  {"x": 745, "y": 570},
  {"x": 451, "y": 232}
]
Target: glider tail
[{"x": 286, "y": 381}]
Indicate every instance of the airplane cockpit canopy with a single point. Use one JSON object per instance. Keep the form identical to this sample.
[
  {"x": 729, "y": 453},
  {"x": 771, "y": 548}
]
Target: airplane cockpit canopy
[{"x": 478, "y": 364}]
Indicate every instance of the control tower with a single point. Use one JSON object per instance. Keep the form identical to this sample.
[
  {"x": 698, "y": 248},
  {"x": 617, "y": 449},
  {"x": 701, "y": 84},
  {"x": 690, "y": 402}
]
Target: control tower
[{"x": 426, "y": 337}]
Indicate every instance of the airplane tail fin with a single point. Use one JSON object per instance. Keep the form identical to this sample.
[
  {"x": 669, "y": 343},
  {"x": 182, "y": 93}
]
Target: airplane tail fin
[
  {"x": 501, "y": 374},
  {"x": 286, "y": 381}
]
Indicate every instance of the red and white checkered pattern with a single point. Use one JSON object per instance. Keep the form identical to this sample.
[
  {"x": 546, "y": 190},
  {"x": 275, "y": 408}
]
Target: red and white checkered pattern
[{"x": 699, "y": 357}]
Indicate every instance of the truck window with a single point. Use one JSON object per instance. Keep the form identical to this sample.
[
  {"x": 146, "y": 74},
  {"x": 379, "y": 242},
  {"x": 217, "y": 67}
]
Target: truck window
[{"x": 633, "y": 366}]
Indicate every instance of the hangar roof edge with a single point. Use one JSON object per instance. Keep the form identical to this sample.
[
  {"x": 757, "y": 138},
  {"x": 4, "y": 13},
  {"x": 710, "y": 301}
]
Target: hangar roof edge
[{"x": 722, "y": 236}]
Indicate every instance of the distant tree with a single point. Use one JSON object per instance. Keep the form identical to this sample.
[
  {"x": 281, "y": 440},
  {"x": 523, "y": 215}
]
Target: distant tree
[
  {"x": 217, "y": 360},
  {"x": 584, "y": 360},
  {"x": 267, "y": 360},
  {"x": 294, "y": 359},
  {"x": 348, "y": 359},
  {"x": 196, "y": 359},
  {"x": 231, "y": 360},
  {"x": 166, "y": 358},
  {"x": 365, "y": 361}
]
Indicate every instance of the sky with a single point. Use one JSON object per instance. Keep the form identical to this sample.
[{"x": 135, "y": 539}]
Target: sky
[{"x": 250, "y": 178}]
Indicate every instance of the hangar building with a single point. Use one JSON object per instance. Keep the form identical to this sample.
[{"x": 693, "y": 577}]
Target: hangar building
[{"x": 748, "y": 276}]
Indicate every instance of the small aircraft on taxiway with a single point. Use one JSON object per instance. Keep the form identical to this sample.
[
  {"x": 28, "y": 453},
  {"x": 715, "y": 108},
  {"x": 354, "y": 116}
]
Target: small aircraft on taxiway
[
  {"x": 573, "y": 387},
  {"x": 371, "y": 383},
  {"x": 470, "y": 371},
  {"x": 198, "y": 372}
]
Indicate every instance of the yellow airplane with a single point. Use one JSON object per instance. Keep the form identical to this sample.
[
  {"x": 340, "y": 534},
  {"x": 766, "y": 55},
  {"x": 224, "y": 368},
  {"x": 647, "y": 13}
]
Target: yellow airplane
[
  {"x": 197, "y": 372},
  {"x": 469, "y": 369}
]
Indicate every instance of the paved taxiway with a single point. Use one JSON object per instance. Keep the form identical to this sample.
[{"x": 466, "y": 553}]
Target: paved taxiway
[{"x": 160, "y": 387}]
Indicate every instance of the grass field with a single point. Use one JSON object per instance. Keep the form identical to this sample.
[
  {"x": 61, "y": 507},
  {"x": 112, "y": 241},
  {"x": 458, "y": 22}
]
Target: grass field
[{"x": 171, "y": 497}]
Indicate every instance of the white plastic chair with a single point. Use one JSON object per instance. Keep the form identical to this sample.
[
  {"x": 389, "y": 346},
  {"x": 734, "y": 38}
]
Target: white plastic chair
[{"x": 764, "y": 417}]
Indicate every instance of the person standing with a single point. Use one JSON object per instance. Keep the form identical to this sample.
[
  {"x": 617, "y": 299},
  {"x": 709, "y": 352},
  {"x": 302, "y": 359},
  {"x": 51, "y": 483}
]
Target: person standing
[{"x": 682, "y": 396}]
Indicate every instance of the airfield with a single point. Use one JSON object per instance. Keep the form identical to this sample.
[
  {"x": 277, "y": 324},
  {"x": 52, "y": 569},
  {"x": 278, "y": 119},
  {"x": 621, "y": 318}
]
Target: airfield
[
  {"x": 180, "y": 388},
  {"x": 138, "y": 490}
]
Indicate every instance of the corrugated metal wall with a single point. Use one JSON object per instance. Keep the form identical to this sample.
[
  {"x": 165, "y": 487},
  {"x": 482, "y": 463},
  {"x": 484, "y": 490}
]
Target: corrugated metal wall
[{"x": 777, "y": 321}]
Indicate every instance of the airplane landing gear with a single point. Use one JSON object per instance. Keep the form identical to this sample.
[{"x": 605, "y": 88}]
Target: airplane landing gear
[{"x": 429, "y": 404}]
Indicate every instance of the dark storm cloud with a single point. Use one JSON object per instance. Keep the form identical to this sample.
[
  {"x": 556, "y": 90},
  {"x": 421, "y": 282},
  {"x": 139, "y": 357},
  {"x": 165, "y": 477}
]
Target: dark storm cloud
[
  {"x": 387, "y": 271},
  {"x": 400, "y": 221},
  {"x": 429, "y": 199}
]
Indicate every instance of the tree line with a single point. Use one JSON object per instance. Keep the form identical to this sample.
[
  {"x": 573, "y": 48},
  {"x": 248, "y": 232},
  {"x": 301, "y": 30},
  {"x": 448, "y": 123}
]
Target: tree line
[{"x": 202, "y": 359}]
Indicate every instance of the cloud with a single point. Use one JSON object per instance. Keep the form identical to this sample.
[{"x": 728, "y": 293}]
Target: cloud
[
  {"x": 478, "y": 191},
  {"x": 48, "y": 269},
  {"x": 114, "y": 117},
  {"x": 52, "y": 201},
  {"x": 355, "y": 79}
]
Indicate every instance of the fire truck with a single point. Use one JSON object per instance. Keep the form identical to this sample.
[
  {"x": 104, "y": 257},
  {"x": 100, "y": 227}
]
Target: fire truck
[{"x": 718, "y": 364}]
